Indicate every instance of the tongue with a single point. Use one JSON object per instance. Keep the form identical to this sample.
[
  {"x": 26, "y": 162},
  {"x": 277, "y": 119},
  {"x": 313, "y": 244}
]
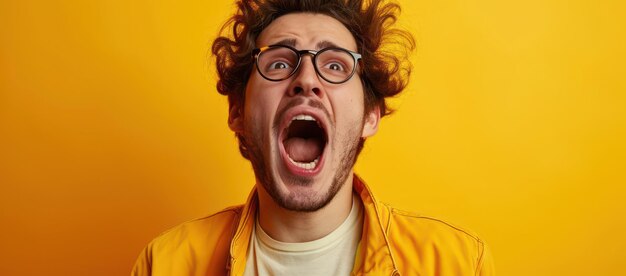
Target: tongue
[{"x": 303, "y": 150}]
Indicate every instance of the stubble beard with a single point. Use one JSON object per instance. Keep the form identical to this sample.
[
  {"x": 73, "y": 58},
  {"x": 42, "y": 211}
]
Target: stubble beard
[{"x": 261, "y": 164}]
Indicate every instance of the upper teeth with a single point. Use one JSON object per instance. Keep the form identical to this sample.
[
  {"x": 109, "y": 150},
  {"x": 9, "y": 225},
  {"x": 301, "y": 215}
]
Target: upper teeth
[{"x": 303, "y": 118}]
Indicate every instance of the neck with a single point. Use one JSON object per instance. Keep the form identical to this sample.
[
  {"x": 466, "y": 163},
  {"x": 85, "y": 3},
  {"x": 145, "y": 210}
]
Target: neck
[{"x": 291, "y": 226}]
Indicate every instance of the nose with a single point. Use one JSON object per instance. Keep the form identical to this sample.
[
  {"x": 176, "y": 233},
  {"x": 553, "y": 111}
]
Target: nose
[{"x": 306, "y": 81}]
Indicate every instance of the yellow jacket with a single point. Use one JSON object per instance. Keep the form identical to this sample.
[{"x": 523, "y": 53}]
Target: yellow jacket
[{"x": 394, "y": 242}]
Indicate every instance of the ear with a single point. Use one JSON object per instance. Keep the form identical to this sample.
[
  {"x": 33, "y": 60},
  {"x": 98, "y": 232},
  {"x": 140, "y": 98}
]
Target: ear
[
  {"x": 370, "y": 125},
  {"x": 235, "y": 119}
]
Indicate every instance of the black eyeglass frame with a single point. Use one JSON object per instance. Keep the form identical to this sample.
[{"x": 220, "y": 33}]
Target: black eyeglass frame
[{"x": 258, "y": 51}]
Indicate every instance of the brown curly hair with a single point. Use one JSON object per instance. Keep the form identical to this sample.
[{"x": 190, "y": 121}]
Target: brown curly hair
[{"x": 384, "y": 68}]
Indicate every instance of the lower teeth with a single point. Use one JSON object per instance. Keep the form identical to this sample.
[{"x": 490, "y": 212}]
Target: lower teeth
[{"x": 306, "y": 166}]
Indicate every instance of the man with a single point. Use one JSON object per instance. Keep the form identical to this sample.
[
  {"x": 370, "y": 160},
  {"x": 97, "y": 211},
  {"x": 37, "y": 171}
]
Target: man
[{"x": 307, "y": 82}]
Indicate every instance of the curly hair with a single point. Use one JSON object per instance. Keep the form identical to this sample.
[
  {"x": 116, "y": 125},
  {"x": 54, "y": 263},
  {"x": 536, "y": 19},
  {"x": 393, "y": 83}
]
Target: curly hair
[{"x": 384, "y": 69}]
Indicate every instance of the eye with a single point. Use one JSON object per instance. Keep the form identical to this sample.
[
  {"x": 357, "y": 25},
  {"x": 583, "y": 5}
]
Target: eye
[
  {"x": 335, "y": 66},
  {"x": 277, "y": 65}
]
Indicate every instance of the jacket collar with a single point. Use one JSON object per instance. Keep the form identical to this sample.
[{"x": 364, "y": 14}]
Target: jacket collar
[
  {"x": 241, "y": 237},
  {"x": 373, "y": 253}
]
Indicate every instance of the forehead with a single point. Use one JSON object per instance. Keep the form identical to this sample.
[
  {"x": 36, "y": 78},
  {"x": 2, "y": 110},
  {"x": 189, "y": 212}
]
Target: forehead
[{"x": 308, "y": 30}]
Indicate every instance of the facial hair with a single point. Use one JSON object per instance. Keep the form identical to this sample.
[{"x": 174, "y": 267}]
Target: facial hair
[{"x": 261, "y": 164}]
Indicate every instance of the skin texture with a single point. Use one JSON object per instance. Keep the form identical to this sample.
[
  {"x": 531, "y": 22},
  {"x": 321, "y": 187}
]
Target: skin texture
[{"x": 297, "y": 208}]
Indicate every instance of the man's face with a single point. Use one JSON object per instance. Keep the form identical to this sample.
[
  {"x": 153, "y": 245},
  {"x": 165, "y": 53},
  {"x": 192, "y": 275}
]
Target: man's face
[{"x": 302, "y": 133}]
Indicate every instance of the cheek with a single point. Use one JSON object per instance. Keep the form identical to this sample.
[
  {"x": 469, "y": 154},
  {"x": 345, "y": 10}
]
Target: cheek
[
  {"x": 262, "y": 101},
  {"x": 255, "y": 98},
  {"x": 259, "y": 114},
  {"x": 353, "y": 101},
  {"x": 349, "y": 113}
]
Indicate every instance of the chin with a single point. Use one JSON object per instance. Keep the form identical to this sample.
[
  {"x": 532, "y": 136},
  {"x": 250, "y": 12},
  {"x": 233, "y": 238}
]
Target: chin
[{"x": 304, "y": 195}]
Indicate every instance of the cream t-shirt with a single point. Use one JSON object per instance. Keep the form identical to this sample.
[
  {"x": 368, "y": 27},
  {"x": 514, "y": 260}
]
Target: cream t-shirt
[{"x": 331, "y": 255}]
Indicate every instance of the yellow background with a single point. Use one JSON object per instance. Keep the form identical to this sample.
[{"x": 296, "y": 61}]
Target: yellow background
[{"x": 111, "y": 130}]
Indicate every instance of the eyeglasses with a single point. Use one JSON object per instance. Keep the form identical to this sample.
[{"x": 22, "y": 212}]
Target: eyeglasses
[{"x": 279, "y": 62}]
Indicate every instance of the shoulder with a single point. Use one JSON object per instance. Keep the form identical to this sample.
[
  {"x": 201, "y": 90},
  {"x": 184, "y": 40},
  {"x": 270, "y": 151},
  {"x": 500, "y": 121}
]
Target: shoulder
[
  {"x": 415, "y": 236},
  {"x": 206, "y": 228},
  {"x": 428, "y": 226},
  {"x": 196, "y": 245}
]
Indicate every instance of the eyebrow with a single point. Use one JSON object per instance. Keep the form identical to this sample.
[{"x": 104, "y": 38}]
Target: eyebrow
[
  {"x": 325, "y": 44},
  {"x": 291, "y": 42}
]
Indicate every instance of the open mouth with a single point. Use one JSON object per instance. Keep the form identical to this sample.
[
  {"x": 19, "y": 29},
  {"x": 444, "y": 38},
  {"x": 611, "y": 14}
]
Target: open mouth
[{"x": 304, "y": 140}]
